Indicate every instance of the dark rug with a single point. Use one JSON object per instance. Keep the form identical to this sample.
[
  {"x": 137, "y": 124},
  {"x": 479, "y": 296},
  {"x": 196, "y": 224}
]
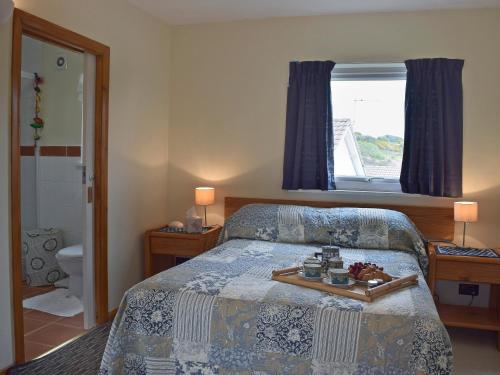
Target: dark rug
[{"x": 80, "y": 357}]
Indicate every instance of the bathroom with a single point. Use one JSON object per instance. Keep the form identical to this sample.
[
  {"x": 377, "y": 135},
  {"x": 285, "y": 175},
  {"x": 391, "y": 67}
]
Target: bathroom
[{"x": 52, "y": 195}]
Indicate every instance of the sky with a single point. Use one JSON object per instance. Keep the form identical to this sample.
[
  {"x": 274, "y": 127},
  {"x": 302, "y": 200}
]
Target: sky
[{"x": 375, "y": 107}]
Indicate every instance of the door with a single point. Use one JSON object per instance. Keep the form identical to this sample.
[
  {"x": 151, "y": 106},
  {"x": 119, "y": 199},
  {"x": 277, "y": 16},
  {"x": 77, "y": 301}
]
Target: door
[
  {"x": 88, "y": 190},
  {"x": 94, "y": 157}
]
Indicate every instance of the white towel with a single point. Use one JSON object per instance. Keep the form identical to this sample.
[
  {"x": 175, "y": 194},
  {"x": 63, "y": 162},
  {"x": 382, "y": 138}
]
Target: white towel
[{"x": 58, "y": 302}]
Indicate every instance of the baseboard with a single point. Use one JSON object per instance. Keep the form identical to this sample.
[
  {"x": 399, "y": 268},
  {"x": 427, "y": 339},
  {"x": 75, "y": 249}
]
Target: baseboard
[{"x": 111, "y": 316}]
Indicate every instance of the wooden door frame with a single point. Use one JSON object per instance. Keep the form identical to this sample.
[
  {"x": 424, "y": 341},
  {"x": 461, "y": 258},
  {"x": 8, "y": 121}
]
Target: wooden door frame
[{"x": 30, "y": 25}]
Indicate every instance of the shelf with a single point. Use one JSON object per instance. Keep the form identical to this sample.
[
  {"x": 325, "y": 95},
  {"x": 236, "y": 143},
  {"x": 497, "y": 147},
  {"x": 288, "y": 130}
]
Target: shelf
[{"x": 470, "y": 317}]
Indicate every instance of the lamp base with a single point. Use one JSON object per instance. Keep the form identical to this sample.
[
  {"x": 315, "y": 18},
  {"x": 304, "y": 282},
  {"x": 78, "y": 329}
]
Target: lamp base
[
  {"x": 463, "y": 234},
  {"x": 206, "y": 225}
]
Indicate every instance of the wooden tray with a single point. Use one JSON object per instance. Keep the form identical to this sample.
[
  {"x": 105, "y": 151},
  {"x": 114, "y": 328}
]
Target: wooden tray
[{"x": 359, "y": 292}]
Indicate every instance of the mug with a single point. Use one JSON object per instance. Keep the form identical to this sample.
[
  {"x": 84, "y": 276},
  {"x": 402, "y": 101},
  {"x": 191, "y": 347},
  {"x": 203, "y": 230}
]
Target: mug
[
  {"x": 335, "y": 263},
  {"x": 312, "y": 270},
  {"x": 338, "y": 276}
]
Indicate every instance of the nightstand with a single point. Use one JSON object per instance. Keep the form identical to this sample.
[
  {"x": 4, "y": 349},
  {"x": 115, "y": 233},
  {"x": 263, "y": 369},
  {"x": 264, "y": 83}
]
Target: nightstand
[
  {"x": 163, "y": 249},
  {"x": 473, "y": 270}
]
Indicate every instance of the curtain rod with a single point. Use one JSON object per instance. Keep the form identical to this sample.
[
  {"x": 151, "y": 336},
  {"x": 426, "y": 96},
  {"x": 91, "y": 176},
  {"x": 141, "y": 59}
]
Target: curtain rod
[{"x": 370, "y": 62}]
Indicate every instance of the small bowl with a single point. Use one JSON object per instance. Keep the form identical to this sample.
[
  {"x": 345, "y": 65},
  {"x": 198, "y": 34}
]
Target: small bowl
[{"x": 372, "y": 283}]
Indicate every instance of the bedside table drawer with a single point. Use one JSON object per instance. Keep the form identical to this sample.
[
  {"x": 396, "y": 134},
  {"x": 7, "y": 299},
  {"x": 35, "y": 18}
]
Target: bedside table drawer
[
  {"x": 162, "y": 248},
  {"x": 472, "y": 272},
  {"x": 176, "y": 247}
]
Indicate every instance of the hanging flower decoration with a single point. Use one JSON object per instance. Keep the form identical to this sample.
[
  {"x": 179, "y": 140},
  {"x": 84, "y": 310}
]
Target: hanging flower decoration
[{"x": 38, "y": 122}]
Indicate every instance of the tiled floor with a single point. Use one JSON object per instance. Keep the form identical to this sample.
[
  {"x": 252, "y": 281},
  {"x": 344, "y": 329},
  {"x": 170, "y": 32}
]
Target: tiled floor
[{"x": 43, "y": 332}]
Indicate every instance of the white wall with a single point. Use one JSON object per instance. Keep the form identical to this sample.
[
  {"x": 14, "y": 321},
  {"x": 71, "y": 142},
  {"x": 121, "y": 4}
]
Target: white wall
[
  {"x": 60, "y": 196},
  {"x": 138, "y": 134},
  {"x": 61, "y": 107},
  {"x": 28, "y": 182},
  {"x": 28, "y": 193},
  {"x": 229, "y": 83}
]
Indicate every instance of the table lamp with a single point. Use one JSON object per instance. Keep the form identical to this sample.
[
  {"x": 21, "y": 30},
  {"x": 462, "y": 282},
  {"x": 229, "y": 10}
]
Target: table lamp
[
  {"x": 204, "y": 196},
  {"x": 466, "y": 212}
]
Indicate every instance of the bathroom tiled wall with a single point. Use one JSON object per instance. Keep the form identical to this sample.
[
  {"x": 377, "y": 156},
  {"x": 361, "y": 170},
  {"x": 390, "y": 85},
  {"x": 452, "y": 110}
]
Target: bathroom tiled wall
[
  {"x": 28, "y": 189},
  {"x": 28, "y": 193},
  {"x": 60, "y": 202},
  {"x": 60, "y": 196}
]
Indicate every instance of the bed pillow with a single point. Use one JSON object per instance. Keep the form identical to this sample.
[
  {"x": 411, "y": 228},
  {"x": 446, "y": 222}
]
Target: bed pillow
[{"x": 363, "y": 228}]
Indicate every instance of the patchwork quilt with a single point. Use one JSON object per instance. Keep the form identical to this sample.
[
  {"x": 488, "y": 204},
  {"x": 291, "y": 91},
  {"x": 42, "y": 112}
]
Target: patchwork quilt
[{"x": 220, "y": 313}]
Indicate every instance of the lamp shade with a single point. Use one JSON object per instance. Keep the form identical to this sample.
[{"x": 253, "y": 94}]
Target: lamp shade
[
  {"x": 204, "y": 196},
  {"x": 466, "y": 212}
]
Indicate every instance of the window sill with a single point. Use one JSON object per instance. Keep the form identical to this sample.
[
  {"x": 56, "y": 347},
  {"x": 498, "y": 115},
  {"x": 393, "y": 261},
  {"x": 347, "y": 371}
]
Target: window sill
[
  {"x": 362, "y": 185},
  {"x": 344, "y": 192},
  {"x": 355, "y": 192}
]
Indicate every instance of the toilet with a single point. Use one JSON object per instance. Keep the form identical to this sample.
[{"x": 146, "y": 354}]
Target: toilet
[{"x": 70, "y": 259}]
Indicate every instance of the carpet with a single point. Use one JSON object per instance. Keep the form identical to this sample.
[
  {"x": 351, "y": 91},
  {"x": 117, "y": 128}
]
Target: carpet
[
  {"x": 58, "y": 302},
  {"x": 475, "y": 354},
  {"x": 80, "y": 357}
]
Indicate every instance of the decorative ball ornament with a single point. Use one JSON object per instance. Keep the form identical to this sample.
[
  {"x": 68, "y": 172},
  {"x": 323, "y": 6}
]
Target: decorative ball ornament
[
  {"x": 176, "y": 224},
  {"x": 6, "y": 10}
]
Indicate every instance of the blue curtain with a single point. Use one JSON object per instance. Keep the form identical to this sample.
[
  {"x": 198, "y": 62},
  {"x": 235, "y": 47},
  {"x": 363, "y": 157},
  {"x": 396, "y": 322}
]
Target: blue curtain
[
  {"x": 432, "y": 156},
  {"x": 308, "y": 162}
]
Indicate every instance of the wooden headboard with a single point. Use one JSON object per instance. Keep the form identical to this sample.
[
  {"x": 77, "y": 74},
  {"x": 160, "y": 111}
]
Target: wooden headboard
[{"x": 435, "y": 223}]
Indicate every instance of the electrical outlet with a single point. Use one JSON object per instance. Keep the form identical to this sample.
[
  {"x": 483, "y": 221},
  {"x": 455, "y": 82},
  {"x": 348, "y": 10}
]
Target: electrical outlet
[{"x": 468, "y": 289}]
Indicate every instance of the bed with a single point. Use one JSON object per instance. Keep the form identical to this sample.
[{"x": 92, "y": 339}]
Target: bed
[{"x": 220, "y": 313}]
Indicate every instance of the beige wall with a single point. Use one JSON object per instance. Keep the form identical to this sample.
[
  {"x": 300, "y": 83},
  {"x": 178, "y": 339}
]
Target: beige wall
[
  {"x": 138, "y": 133},
  {"x": 229, "y": 86},
  {"x": 61, "y": 107},
  {"x": 5, "y": 289}
]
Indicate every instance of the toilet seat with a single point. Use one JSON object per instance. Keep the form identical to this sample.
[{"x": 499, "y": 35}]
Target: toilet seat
[{"x": 75, "y": 251}]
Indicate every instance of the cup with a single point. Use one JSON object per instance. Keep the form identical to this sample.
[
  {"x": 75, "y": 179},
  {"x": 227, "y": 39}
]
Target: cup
[
  {"x": 312, "y": 260},
  {"x": 338, "y": 276},
  {"x": 335, "y": 263},
  {"x": 312, "y": 270}
]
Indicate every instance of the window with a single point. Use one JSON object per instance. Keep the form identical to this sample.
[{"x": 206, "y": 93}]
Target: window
[{"x": 368, "y": 113}]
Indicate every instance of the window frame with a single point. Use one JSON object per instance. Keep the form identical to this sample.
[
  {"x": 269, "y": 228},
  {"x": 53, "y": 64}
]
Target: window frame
[{"x": 368, "y": 72}]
